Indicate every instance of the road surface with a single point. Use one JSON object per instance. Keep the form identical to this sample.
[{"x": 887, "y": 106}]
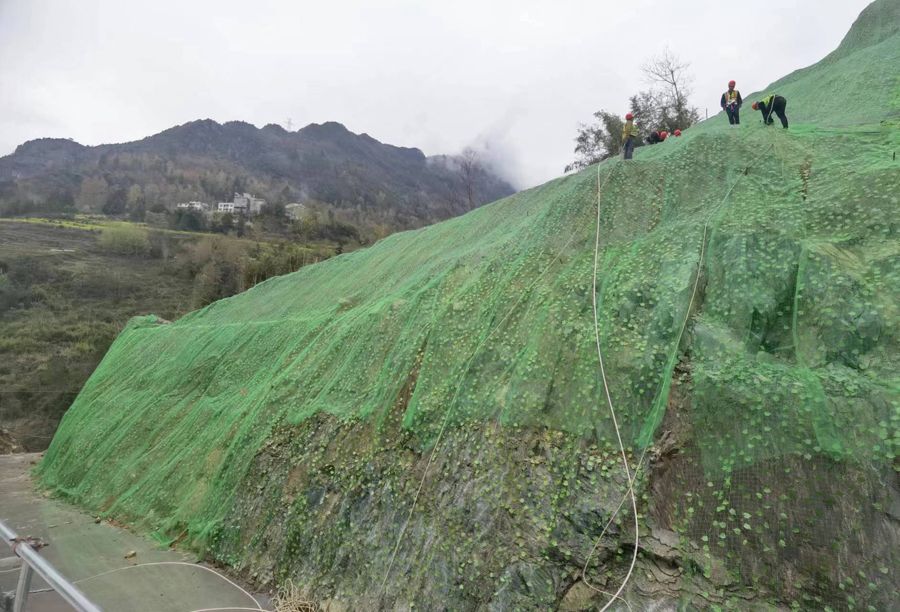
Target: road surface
[{"x": 81, "y": 548}]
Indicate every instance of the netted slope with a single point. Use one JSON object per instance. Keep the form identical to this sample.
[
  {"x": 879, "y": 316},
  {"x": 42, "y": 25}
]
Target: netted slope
[
  {"x": 288, "y": 430},
  {"x": 857, "y": 83}
]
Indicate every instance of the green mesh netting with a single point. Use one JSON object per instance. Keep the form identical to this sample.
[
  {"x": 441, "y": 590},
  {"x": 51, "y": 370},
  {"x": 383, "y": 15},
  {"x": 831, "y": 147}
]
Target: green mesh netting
[{"x": 287, "y": 430}]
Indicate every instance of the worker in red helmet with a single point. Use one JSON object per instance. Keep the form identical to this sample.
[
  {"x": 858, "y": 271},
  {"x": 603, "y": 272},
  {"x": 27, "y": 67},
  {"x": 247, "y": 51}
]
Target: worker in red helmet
[
  {"x": 677, "y": 133},
  {"x": 657, "y": 137},
  {"x": 629, "y": 137},
  {"x": 731, "y": 103},
  {"x": 772, "y": 104}
]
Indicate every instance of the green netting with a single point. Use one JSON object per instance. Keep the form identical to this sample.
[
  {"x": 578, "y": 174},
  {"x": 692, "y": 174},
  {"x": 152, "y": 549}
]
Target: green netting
[{"x": 287, "y": 430}]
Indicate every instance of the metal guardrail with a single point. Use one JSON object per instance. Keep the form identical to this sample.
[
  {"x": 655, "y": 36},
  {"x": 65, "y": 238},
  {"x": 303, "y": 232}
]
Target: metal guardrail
[{"x": 33, "y": 563}]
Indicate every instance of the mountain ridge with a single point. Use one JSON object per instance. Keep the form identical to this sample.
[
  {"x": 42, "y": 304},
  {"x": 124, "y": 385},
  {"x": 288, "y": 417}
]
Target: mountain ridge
[
  {"x": 206, "y": 160},
  {"x": 195, "y": 126}
]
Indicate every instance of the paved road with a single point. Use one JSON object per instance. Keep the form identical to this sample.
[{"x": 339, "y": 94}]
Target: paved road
[{"x": 80, "y": 548}]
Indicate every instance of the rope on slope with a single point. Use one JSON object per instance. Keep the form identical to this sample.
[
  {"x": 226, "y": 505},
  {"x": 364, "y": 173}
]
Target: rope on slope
[
  {"x": 630, "y": 479},
  {"x": 229, "y": 608},
  {"x": 447, "y": 414},
  {"x": 612, "y": 412},
  {"x": 687, "y": 316},
  {"x": 193, "y": 565}
]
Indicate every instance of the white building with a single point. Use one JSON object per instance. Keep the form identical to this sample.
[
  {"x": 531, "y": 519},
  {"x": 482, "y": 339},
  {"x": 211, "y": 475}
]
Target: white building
[
  {"x": 295, "y": 210},
  {"x": 242, "y": 203},
  {"x": 198, "y": 206}
]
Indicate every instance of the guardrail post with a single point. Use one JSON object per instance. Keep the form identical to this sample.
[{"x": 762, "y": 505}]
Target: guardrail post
[
  {"x": 33, "y": 562},
  {"x": 22, "y": 588}
]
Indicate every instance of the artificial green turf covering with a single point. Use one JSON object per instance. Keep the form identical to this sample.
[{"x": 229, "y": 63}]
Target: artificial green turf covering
[{"x": 786, "y": 420}]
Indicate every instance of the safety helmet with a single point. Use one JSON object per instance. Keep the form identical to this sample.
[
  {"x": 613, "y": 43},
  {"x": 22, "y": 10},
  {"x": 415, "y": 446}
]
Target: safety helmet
[
  {"x": 678, "y": 132},
  {"x": 731, "y": 83},
  {"x": 629, "y": 117},
  {"x": 663, "y": 135},
  {"x": 756, "y": 106}
]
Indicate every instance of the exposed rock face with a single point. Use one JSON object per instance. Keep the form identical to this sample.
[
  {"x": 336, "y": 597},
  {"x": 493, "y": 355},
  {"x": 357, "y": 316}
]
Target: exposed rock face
[{"x": 8, "y": 443}]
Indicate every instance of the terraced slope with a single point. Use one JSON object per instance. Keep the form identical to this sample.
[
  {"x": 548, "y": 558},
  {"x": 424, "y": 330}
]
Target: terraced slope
[{"x": 438, "y": 395}]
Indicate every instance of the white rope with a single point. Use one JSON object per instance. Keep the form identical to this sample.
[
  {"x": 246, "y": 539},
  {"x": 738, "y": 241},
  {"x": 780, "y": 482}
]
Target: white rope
[
  {"x": 684, "y": 323},
  {"x": 612, "y": 412},
  {"x": 193, "y": 565},
  {"x": 446, "y": 418},
  {"x": 613, "y": 597},
  {"x": 229, "y": 608},
  {"x": 628, "y": 474}
]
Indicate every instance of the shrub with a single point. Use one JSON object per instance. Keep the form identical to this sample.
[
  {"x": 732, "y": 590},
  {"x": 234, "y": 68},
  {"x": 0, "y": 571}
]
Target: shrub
[{"x": 125, "y": 240}]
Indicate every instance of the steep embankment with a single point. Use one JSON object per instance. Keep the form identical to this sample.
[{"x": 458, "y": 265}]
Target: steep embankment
[{"x": 437, "y": 395}]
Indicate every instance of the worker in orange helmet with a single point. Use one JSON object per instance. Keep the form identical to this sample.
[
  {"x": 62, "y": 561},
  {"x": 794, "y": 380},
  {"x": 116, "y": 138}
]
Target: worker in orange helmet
[
  {"x": 731, "y": 103},
  {"x": 629, "y": 137}
]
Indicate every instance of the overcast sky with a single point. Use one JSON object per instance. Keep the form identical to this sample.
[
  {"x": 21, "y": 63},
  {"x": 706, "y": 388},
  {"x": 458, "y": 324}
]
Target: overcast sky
[{"x": 515, "y": 76}]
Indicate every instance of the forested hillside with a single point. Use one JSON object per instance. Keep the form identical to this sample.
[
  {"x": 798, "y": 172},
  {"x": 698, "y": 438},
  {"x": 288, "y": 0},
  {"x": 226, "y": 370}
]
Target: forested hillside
[
  {"x": 368, "y": 181},
  {"x": 68, "y": 287}
]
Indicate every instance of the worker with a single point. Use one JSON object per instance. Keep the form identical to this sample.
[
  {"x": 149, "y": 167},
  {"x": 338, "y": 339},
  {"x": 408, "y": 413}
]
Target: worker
[
  {"x": 629, "y": 136},
  {"x": 677, "y": 133},
  {"x": 656, "y": 137},
  {"x": 772, "y": 104},
  {"x": 731, "y": 102}
]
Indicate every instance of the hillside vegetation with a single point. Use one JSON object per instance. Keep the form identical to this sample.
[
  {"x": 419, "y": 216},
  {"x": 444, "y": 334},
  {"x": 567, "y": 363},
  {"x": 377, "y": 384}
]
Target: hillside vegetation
[
  {"x": 364, "y": 181},
  {"x": 423, "y": 425},
  {"x": 68, "y": 287}
]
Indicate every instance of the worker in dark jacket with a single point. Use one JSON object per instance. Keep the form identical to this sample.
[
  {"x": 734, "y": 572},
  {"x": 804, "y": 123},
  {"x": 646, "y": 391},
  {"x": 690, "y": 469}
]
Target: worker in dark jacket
[
  {"x": 657, "y": 137},
  {"x": 731, "y": 103},
  {"x": 772, "y": 104}
]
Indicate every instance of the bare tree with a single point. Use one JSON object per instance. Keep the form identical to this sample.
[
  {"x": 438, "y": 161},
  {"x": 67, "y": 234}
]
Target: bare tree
[
  {"x": 669, "y": 71},
  {"x": 664, "y": 106},
  {"x": 469, "y": 167}
]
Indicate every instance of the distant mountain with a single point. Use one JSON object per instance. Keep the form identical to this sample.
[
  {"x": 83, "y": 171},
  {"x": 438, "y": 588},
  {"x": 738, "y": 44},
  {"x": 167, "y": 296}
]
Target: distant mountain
[{"x": 208, "y": 161}]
